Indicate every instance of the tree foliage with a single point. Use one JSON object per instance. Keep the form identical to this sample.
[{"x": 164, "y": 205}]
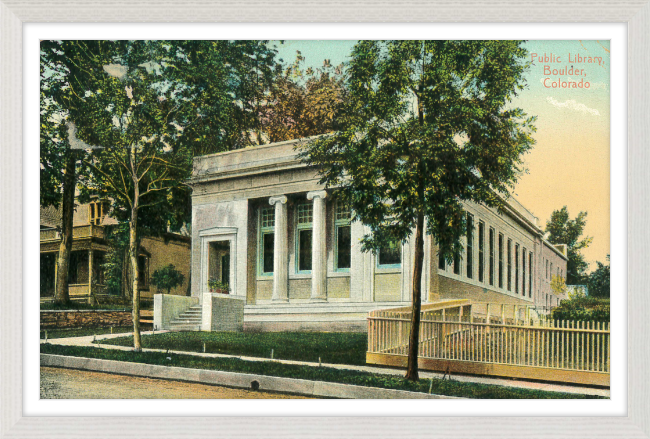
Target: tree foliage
[
  {"x": 167, "y": 277},
  {"x": 558, "y": 285},
  {"x": 303, "y": 102},
  {"x": 598, "y": 281},
  {"x": 145, "y": 108},
  {"x": 564, "y": 230},
  {"x": 425, "y": 127}
]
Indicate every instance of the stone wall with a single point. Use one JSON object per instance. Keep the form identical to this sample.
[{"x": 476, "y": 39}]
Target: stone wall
[
  {"x": 222, "y": 312},
  {"x": 85, "y": 319}
]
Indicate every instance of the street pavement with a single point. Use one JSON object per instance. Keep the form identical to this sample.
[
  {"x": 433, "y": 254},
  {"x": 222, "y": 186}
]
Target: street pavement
[{"x": 59, "y": 383}]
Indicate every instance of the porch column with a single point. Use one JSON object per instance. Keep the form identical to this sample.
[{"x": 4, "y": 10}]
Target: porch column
[
  {"x": 280, "y": 250},
  {"x": 90, "y": 272},
  {"x": 318, "y": 248}
]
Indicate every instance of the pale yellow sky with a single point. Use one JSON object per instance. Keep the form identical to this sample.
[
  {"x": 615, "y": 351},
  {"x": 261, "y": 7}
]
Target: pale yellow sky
[{"x": 570, "y": 164}]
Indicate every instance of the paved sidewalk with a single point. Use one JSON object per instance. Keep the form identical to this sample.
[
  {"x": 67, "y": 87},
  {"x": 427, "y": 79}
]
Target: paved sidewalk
[{"x": 88, "y": 341}]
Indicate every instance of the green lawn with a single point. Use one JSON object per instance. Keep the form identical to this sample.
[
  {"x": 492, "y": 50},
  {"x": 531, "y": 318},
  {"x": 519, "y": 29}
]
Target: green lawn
[
  {"x": 331, "y": 347},
  {"x": 437, "y": 386},
  {"x": 80, "y": 332}
]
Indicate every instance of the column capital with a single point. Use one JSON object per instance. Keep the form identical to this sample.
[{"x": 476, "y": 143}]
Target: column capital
[
  {"x": 278, "y": 199},
  {"x": 316, "y": 194}
]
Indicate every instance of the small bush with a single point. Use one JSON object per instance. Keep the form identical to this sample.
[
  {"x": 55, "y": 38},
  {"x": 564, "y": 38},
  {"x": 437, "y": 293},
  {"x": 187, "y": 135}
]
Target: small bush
[
  {"x": 166, "y": 278},
  {"x": 584, "y": 309}
]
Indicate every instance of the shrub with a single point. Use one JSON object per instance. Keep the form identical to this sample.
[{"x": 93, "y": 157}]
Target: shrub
[
  {"x": 167, "y": 278},
  {"x": 583, "y": 309}
]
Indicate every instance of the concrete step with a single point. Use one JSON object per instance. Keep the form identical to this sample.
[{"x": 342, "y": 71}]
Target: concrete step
[
  {"x": 185, "y": 328},
  {"x": 185, "y": 322}
]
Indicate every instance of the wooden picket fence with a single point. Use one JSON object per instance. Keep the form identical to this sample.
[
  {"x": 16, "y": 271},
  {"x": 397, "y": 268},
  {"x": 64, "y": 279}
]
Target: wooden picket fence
[{"x": 454, "y": 339}]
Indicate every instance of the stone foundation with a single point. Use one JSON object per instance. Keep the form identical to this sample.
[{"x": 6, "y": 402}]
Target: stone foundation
[{"x": 85, "y": 319}]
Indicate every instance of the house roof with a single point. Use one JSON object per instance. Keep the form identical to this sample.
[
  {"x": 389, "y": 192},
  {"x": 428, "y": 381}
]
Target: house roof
[{"x": 50, "y": 217}]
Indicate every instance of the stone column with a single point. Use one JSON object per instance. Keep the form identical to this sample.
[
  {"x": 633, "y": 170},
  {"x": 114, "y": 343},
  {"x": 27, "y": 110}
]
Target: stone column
[
  {"x": 318, "y": 248},
  {"x": 280, "y": 250}
]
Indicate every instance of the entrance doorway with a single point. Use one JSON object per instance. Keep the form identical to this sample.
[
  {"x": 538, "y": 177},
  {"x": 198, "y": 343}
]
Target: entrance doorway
[{"x": 219, "y": 261}]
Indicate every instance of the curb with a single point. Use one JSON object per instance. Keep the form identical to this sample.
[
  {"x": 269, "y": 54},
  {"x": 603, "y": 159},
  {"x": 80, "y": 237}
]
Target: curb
[{"x": 234, "y": 379}]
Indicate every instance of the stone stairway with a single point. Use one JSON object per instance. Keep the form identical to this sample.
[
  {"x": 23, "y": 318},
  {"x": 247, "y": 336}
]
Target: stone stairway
[{"x": 189, "y": 320}]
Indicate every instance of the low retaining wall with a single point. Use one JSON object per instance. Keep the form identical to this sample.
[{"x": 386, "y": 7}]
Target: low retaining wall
[
  {"x": 222, "y": 312},
  {"x": 85, "y": 319},
  {"x": 167, "y": 307},
  {"x": 233, "y": 379}
]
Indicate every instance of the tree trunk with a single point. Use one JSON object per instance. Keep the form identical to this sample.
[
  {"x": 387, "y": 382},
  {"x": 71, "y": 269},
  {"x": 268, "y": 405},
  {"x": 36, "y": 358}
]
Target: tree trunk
[
  {"x": 61, "y": 291},
  {"x": 133, "y": 255},
  {"x": 126, "y": 279},
  {"x": 414, "y": 336},
  {"x": 134, "y": 246}
]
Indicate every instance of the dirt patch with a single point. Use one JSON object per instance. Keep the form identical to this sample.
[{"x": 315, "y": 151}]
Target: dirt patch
[{"x": 59, "y": 383}]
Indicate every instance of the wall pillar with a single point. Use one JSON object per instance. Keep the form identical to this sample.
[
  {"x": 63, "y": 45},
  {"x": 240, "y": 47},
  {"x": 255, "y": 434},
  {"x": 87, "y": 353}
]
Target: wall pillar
[
  {"x": 318, "y": 248},
  {"x": 280, "y": 250}
]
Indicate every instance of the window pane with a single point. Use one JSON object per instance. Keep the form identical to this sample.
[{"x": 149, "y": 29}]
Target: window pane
[
  {"x": 343, "y": 212},
  {"x": 343, "y": 246},
  {"x": 267, "y": 255},
  {"x": 470, "y": 246},
  {"x": 305, "y": 213},
  {"x": 500, "y": 260},
  {"x": 304, "y": 250},
  {"x": 481, "y": 250},
  {"x": 267, "y": 218},
  {"x": 530, "y": 278},
  {"x": 391, "y": 254},
  {"x": 509, "y": 279},
  {"x": 491, "y": 273},
  {"x": 517, "y": 268}
]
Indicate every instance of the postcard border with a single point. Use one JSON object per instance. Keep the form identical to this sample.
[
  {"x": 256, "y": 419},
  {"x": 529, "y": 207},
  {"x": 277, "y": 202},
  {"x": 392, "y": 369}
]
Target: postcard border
[{"x": 13, "y": 13}]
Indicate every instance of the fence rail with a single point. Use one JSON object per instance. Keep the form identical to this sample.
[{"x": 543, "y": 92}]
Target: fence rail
[{"x": 580, "y": 349}]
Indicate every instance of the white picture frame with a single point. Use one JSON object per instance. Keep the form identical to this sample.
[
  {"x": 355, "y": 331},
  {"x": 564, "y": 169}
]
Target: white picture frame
[{"x": 13, "y": 13}]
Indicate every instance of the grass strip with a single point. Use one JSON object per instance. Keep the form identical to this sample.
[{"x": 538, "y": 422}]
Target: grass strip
[
  {"x": 360, "y": 378},
  {"x": 330, "y": 347},
  {"x": 81, "y": 332}
]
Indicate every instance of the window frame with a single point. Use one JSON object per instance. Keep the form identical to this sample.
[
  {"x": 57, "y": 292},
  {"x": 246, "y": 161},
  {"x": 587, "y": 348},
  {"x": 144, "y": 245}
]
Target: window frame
[
  {"x": 517, "y": 268},
  {"x": 481, "y": 251},
  {"x": 469, "y": 247},
  {"x": 385, "y": 266},
  {"x": 338, "y": 224},
  {"x": 524, "y": 252},
  {"x": 262, "y": 231},
  {"x": 501, "y": 237},
  {"x": 491, "y": 265},
  {"x": 509, "y": 264},
  {"x": 299, "y": 227},
  {"x": 530, "y": 277}
]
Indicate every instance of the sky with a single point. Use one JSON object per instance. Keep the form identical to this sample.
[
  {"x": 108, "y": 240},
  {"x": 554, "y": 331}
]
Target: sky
[{"x": 570, "y": 163}]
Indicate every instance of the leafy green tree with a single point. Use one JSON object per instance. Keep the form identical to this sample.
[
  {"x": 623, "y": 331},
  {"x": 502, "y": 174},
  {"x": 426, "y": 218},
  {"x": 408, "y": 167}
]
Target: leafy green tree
[
  {"x": 149, "y": 107},
  {"x": 598, "y": 281},
  {"x": 60, "y": 162},
  {"x": 563, "y": 230},
  {"x": 425, "y": 127},
  {"x": 166, "y": 278}
]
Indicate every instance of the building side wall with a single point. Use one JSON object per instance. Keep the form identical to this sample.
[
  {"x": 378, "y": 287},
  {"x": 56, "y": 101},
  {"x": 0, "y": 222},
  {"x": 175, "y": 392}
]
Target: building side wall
[
  {"x": 513, "y": 231},
  {"x": 163, "y": 253},
  {"x": 230, "y": 190},
  {"x": 546, "y": 297}
]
